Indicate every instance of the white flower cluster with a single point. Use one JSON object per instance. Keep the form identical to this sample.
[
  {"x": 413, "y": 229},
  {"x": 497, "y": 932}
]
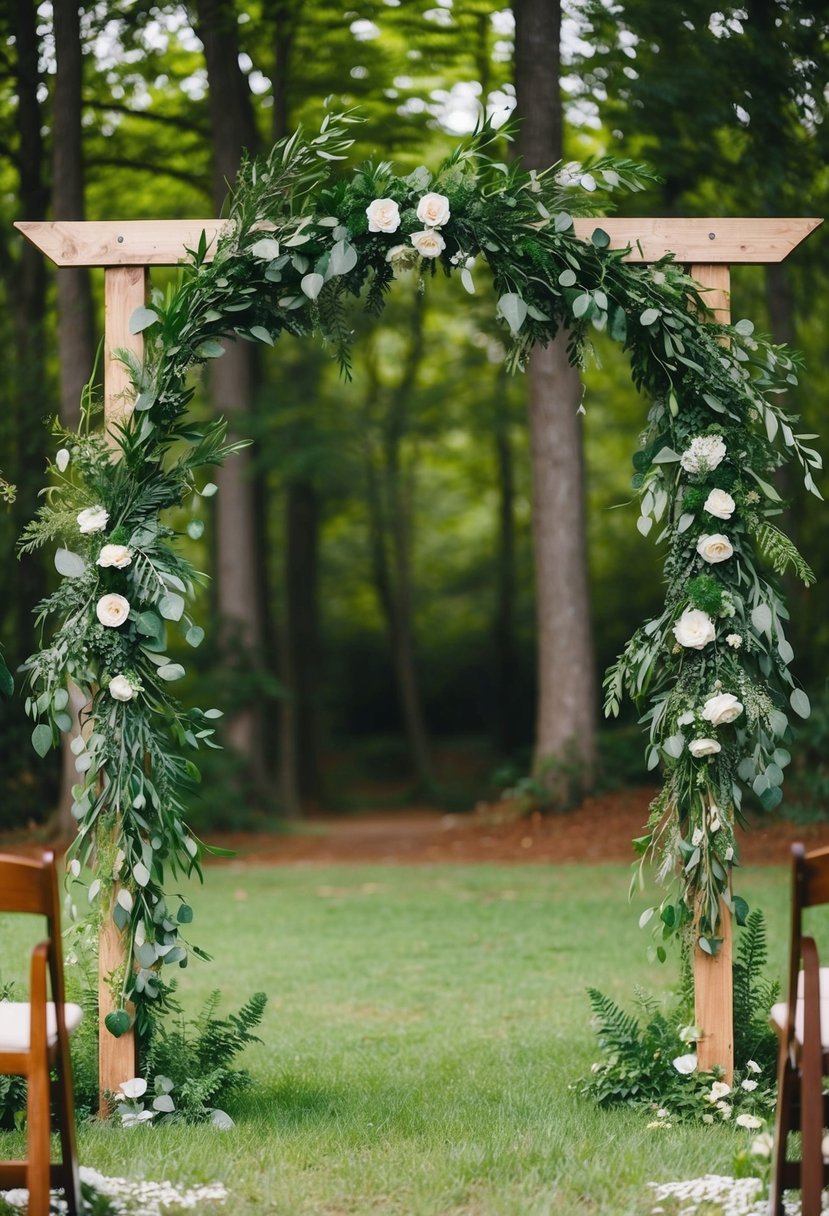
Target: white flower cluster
[
  {"x": 705, "y": 453},
  {"x": 732, "y": 1196},
  {"x": 133, "y": 1196},
  {"x": 432, "y": 211}
]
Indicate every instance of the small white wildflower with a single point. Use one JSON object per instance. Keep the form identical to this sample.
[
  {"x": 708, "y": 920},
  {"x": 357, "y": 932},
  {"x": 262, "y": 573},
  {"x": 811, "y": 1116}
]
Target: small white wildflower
[
  {"x": 724, "y": 1109},
  {"x": 718, "y": 1090},
  {"x": 75, "y": 868},
  {"x": 753, "y": 1066},
  {"x": 704, "y": 454},
  {"x": 734, "y": 640},
  {"x": 686, "y": 1064},
  {"x": 762, "y": 1145},
  {"x": 748, "y": 1084},
  {"x": 749, "y": 1121}
]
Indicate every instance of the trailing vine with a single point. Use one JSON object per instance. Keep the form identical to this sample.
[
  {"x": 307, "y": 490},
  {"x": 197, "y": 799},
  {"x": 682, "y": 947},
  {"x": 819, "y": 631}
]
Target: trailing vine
[{"x": 711, "y": 673}]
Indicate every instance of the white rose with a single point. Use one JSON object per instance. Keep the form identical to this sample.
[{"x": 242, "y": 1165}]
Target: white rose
[
  {"x": 121, "y": 689},
  {"x": 92, "y": 519},
  {"x": 715, "y": 548},
  {"x": 118, "y": 556},
  {"x": 703, "y": 747},
  {"x": 720, "y": 504},
  {"x": 433, "y": 209},
  {"x": 734, "y": 640},
  {"x": 112, "y": 610},
  {"x": 383, "y": 215},
  {"x": 429, "y": 244},
  {"x": 694, "y": 629},
  {"x": 722, "y": 709},
  {"x": 704, "y": 454}
]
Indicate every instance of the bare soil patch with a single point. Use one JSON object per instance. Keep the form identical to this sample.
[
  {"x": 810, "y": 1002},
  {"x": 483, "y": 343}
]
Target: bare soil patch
[{"x": 601, "y": 829}]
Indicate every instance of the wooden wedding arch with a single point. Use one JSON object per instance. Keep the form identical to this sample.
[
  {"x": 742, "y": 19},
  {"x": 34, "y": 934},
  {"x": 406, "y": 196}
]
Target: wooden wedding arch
[{"x": 127, "y": 250}]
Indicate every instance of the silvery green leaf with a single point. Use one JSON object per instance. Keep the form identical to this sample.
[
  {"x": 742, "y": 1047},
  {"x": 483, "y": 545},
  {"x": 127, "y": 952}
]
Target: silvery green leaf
[
  {"x": 209, "y": 490},
  {"x": 69, "y": 564},
  {"x": 42, "y": 739},
  {"x": 343, "y": 258},
  {"x": 142, "y": 318},
  {"x": 221, "y": 1119},
  {"x": 779, "y": 722},
  {"x": 77, "y": 745},
  {"x": 646, "y": 916},
  {"x": 513, "y": 309},
  {"x": 328, "y": 221},
  {"x": 800, "y": 703},
  {"x": 644, "y": 524},
  {"x": 466, "y": 279},
  {"x": 563, "y": 222},
  {"x": 266, "y": 249},
  {"x": 581, "y": 304},
  {"x": 171, "y": 671},
  {"x": 648, "y": 317},
  {"x": 674, "y": 746},
  {"x": 62, "y": 460},
  {"x": 211, "y": 349},
  {"x": 61, "y": 699},
  {"x": 785, "y": 650},
  {"x": 141, "y": 874},
  {"x": 419, "y": 179},
  {"x": 761, "y": 619},
  {"x": 536, "y": 313},
  {"x": 261, "y": 334},
  {"x": 214, "y": 713},
  {"x": 312, "y": 285},
  {"x": 195, "y": 528},
  {"x": 171, "y": 606},
  {"x": 194, "y": 636},
  {"x": 666, "y": 456},
  {"x": 774, "y": 774},
  {"x": 567, "y": 278},
  {"x": 164, "y": 1103},
  {"x": 94, "y": 888},
  {"x": 771, "y": 425},
  {"x": 145, "y": 955},
  {"x": 685, "y": 521},
  {"x": 745, "y": 327}
]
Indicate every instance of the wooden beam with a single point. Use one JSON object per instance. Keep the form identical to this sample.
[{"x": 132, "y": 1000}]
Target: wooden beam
[
  {"x": 164, "y": 242},
  {"x": 125, "y": 289}
]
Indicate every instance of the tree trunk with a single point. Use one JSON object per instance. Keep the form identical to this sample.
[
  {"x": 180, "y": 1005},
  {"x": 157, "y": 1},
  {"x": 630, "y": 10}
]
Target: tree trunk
[
  {"x": 26, "y": 294},
  {"x": 503, "y": 630},
  {"x": 390, "y": 509},
  {"x": 565, "y": 726},
  {"x": 238, "y": 589},
  {"x": 76, "y": 343}
]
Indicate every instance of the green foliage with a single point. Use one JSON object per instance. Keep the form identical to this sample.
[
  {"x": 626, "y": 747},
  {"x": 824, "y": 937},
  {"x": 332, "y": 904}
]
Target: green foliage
[
  {"x": 648, "y": 1058},
  {"x": 197, "y": 1056}
]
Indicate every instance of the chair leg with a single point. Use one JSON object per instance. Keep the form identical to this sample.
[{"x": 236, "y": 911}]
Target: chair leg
[
  {"x": 782, "y": 1126},
  {"x": 37, "y": 1167},
  {"x": 811, "y": 1130},
  {"x": 64, "y": 1107}
]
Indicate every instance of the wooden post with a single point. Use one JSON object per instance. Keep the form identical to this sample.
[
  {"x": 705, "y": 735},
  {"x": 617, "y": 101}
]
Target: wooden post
[
  {"x": 127, "y": 248},
  {"x": 125, "y": 289},
  {"x": 713, "y": 975}
]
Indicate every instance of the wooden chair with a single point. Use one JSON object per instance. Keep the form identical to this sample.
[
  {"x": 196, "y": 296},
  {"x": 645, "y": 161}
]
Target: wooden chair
[
  {"x": 34, "y": 1040},
  {"x": 802, "y": 1025}
]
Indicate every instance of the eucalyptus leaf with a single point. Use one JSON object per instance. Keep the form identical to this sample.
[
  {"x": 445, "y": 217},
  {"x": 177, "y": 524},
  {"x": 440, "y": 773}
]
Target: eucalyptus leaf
[
  {"x": 142, "y": 318},
  {"x": 513, "y": 309},
  {"x": 42, "y": 739},
  {"x": 800, "y": 703},
  {"x": 69, "y": 564},
  {"x": 171, "y": 671},
  {"x": 171, "y": 606}
]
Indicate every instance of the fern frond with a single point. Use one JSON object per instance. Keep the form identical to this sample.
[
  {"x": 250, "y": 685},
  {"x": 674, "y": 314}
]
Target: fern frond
[{"x": 782, "y": 553}]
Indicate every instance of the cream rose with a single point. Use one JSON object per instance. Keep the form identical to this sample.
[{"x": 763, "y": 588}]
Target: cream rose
[
  {"x": 722, "y": 708},
  {"x": 121, "y": 689},
  {"x": 433, "y": 209},
  {"x": 118, "y": 556},
  {"x": 704, "y": 454},
  {"x": 694, "y": 629},
  {"x": 92, "y": 519},
  {"x": 428, "y": 243},
  {"x": 112, "y": 610},
  {"x": 383, "y": 215},
  {"x": 720, "y": 504},
  {"x": 703, "y": 747},
  {"x": 714, "y": 548}
]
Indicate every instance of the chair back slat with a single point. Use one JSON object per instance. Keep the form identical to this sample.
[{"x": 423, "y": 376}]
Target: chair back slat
[
  {"x": 815, "y": 878},
  {"x": 27, "y": 885}
]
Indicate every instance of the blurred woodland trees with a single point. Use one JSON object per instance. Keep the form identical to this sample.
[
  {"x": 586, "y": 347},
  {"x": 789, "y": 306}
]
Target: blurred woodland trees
[{"x": 377, "y": 591}]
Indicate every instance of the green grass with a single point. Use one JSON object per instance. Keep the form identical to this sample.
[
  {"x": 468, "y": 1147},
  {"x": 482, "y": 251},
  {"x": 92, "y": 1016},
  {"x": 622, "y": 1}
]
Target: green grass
[{"x": 424, "y": 1030}]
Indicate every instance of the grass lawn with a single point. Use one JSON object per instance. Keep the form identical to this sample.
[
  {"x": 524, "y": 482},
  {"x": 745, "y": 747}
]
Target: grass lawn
[{"x": 424, "y": 1029}]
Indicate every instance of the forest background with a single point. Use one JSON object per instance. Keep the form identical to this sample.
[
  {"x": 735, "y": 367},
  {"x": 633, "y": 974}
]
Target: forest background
[{"x": 378, "y": 610}]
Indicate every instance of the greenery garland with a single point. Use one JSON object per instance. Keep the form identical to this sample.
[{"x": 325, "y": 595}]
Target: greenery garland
[{"x": 711, "y": 673}]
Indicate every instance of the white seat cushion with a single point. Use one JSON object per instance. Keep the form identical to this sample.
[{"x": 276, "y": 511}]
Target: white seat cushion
[
  {"x": 15, "y": 1019},
  {"x": 779, "y": 1012}
]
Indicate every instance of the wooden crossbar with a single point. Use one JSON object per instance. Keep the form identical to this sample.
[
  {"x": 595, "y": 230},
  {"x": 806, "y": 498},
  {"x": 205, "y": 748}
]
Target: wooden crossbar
[{"x": 164, "y": 242}]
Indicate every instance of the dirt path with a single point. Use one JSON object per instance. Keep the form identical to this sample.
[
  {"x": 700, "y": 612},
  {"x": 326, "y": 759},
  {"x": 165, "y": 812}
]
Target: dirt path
[{"x": 601, "y": 829}]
